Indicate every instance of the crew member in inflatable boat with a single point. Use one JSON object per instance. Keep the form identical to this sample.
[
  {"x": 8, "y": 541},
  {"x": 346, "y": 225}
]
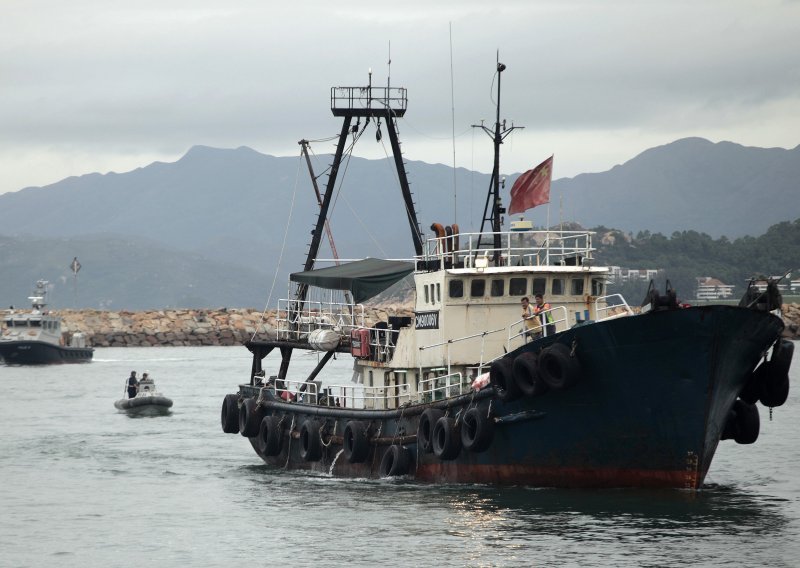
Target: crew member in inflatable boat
[{"x": 133, "y": 385}]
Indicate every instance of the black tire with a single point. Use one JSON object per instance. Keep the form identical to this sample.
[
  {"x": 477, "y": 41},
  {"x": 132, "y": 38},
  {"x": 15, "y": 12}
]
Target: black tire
[
  {"x": 557, "y": 368},
  {"x": 501, "y": 377},
  {"x": 250, "y": 416},
  {"x": 748, "y": 423},
  {"x": 425, "y": 429},
  {"x": 396, "y": 461},
  {"x": 774, "y": 391},
  {"x": 731, "y": 427},
  {"x": 230, "y": 414},
  {"x": 782, "y": 357},
  {"x": 355, "y": 442},
  {"x": 270, "y": 436},
  {"x": 446, "y": 439},
  {"x": 310, "y": 441},
  {"x": 752, "y": 388},
  {"x": 526, "y": 374},
  {"x": 477, "y": 430}
]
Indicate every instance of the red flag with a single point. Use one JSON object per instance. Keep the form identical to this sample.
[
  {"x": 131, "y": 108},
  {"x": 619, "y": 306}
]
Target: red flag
[{"x": 532, "y": 188}]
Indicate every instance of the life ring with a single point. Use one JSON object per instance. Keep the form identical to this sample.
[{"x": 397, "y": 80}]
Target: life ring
[
  {"x": 270, "y": 436},
  {"x": 425, "y": 429},
  {"x": 557, "y": 368},
  {"x": 446, "y": 439},
  {"x": 501, "y": 376},
  {"x": 355, "y": 442},
  {"x": 526, "y": 374},
  {"x": 250, "y": 415},
  {"x": 396, "y": 461},
  {"x": 477, "y": 430},
  {"x": 230, "y": 414},
  {"x": 310, "y": 441}
]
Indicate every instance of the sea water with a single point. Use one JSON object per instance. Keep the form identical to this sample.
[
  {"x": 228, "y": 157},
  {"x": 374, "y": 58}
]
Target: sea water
[{"x": 82, "y": 484}]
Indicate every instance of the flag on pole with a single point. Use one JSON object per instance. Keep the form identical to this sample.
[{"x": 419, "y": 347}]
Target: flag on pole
[
  {"x": 532, "y": 188},
  {"x": 75, "y": 266}
]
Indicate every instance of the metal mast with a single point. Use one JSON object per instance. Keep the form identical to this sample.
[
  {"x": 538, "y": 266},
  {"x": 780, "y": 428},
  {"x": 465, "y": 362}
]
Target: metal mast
[{"x": 493, "y": 208}]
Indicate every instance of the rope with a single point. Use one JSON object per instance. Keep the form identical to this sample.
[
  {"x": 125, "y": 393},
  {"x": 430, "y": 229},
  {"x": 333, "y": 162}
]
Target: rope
[{"x": 283, "y": 248}]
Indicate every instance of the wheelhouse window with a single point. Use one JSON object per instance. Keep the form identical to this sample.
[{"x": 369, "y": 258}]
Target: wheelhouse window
[
  {"x": 427, "y": 294},
  {"x": 558, "y": 287},
  {"x": 498, "y": 287},
  {"x": 518, "y": 287},
  {"x": 597, "y": 287},
  {"x": 539, "y": 286},
  {"x": 438, "y": 292},
  {"x": 477, "y": 288},
  {"x": 577, "y": 287},
  {"x": 456, "y": 289}
]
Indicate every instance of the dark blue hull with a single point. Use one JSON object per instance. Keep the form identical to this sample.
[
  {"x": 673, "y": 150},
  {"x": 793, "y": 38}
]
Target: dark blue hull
[
  {"x": 41, "y": 353},
  {"x": 648, "y": 410}
]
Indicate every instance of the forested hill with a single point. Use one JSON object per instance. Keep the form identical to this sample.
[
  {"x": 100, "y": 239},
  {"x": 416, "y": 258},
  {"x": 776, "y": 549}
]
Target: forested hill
[{"x": 686, "y": 255}]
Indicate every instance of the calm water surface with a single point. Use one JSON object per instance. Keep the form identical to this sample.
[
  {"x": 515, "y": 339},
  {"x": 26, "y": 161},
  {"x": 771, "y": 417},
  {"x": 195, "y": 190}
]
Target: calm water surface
[{"x": 84, "y": 485}]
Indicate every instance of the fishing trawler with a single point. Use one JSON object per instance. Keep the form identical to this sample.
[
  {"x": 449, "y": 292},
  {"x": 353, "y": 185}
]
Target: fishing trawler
[
  {"x": 596, "y": 394},
  {"x": 35, "y": 337}
]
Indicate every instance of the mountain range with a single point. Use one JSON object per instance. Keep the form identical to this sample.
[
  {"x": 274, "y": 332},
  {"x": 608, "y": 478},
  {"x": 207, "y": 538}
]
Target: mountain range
[{"x": 212, "y": 228}]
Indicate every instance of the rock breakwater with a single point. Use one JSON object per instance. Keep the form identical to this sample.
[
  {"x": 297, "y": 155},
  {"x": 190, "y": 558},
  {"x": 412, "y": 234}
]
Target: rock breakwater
[{"x": 182, "y": 327}]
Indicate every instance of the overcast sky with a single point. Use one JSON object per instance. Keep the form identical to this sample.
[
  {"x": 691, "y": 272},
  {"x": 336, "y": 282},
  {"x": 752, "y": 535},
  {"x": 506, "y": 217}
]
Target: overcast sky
[{"x": 106, "y": 85}]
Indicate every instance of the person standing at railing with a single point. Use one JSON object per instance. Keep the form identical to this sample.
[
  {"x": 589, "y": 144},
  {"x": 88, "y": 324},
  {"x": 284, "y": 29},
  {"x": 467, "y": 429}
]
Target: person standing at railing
[
  {"x": 542, "y": 311},
  {"x": 533, "y": 327}
]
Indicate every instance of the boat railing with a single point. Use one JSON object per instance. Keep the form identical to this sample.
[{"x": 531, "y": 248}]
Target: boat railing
[
  {"x": 606, "y": 311},
  {"x": 344, "y": 99},
  {"x": 382, "y": 342},
  {"x": 517, "y": 248},
  {"x": 442, "y": 386},
  {"x": 345, "y": 396},
  {"x": 296, "y": 319},
  {"x": 555, "y": 320},
  {"x": 482, "y": 335}
]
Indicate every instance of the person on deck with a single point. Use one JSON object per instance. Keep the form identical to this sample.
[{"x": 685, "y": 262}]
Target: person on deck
[
  {"x": 133, "y": 385},
  {"x": 545, "y": 317},
  {"x": 533, "y": 328}
]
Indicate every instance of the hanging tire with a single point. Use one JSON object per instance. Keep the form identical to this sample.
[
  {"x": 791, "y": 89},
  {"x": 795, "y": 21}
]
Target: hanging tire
[
  {"x": 557, "y": 368},
  {"x": 748, "y": 423},
  {"x": 782, "y": 357},
  {"x": 310, "y": 441},
  {"x": 752, "y": 388},
  {"x": 501, "y": 377},
  {"x": 250, "y": 416},
  {"x": 230, "y": 414},
  {"x": 731, "y": 427},
  {"x": 396, "y": 461},
  {"x": 526, "y": 374},
  {"x": 355, "y": 442},
  {"x": 270, "y": 436},
  {"x": 477, "y": 430},
  {"x": 446, "y": 439},
  {"x": 774, "y": 391},
  {"x": 425, "y": 429}
]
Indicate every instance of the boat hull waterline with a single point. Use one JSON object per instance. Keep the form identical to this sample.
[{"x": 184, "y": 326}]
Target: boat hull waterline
[
  {"x": 42, "y": 353},
  {"x": 649, "y": 409}
]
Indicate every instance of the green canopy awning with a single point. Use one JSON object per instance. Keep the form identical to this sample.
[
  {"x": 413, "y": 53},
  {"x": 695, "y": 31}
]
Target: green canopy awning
[{"x": 363, "y": 278}]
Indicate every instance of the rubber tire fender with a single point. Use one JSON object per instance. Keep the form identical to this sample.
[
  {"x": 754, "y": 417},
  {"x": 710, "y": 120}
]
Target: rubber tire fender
[
  {"x": 501, "y": 377},
  {"x": 782, "y": 357},
  {"x": 230, "y": 414},
  {"x": 526, "y": 374},
  {"x": 396, "y": 461},
  {"x": 425, "y": 429},
  {"x": 446, "y": 439},
  {"x": 748, "y": 423},
  {"x": 270, "y": 436},
  {"x": 354, "y": 441},
  {"x": 774, "y": 391},
  {"x": 557, "y": 368},
  {"x": 477, "y": 430},
  {"x": 250, "y": 416},
  {"x": 310, "y": 441},
  {"x": 752, "y": 388}
]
